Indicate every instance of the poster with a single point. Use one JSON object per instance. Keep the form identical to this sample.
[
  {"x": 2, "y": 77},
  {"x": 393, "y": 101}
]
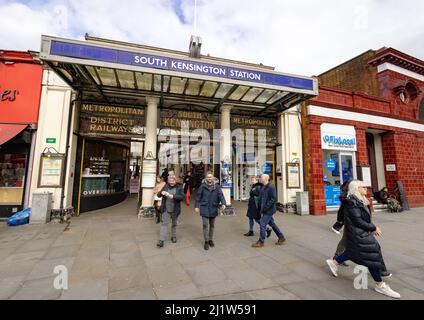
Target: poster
[
  {"x": 51, "y": 169},
  {"x": 149, "y": 173},
  {"x": 226, "y": 175},
  {"x": 134, "y": 183},
  {"x": 293, "y": 175},
  {"x": 332, "y": 196}
]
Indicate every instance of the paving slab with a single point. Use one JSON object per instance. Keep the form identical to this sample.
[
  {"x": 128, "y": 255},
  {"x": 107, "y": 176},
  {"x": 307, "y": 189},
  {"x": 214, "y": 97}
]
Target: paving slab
[
  {"x": 143, "y": 293},
  {"x": 87, "y": 290},
  {"x": 40, "y": 289},
  {"x": 111, "y": 254}
]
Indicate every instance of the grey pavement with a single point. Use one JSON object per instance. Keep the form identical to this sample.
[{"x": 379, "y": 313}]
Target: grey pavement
[{"x": 111, "y": 254}]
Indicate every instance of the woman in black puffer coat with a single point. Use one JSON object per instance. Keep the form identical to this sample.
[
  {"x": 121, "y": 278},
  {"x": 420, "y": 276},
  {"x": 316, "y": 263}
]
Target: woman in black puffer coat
[{"x": 362, "y": 246}]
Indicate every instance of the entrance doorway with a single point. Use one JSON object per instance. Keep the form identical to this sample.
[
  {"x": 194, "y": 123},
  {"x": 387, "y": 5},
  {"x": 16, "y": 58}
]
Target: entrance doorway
[
  {"x": 250, "y": 167},
  {"x": 372, "y": 160},
  {"x": 339, "y": 167}
]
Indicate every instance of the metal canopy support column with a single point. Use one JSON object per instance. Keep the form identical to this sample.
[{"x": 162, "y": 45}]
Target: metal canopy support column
[
  {"x": 148, "y": 179},
  {"x": 226, "y": 156}
]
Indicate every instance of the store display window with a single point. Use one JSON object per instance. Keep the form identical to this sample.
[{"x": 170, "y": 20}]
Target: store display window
[
  {"x": 104, "y": 168},
  {"x": 12, "y": 178}
]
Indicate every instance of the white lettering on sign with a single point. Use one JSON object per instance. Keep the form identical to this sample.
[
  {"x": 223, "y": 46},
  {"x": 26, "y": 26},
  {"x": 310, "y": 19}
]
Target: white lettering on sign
[
  {"x": 245, "y": 75},
  {"x": 151, "y": 61},
  {"x": 188, "y": 66}
]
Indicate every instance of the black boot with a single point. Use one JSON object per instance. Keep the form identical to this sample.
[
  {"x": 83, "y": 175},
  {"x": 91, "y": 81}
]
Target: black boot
[
  {"x": 268, "y": 232},
  {"x": 249, "y": 234},
  {"x": 206, "y": 246}
]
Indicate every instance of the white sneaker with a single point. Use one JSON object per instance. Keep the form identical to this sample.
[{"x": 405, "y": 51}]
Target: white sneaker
[
  {"x": 335, "y": 230},
  {"x": 333, "y": 267},
  {"x": 386, "y": 290}
]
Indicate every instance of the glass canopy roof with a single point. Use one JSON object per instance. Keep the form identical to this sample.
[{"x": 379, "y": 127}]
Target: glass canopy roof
[{"x": 100, "y": 82}]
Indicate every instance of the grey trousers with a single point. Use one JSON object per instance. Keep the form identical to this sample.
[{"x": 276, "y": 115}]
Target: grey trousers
[
  {"x": 208, "y": 228},
  {"x": 166, "y": 220}
]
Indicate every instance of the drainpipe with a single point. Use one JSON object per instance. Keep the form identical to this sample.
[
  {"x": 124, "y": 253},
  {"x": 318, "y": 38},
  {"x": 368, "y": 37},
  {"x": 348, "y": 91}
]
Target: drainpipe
[{"x": 299, "y": 114}]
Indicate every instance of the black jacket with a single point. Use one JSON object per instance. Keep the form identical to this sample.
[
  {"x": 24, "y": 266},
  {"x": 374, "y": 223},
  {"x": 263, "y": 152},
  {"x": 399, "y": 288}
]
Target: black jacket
[
  {"x": 188, "y": 183},
  {"x": 253, "y": 207},
  {"x": 178, "y": 197},
  {"x": 208, "y": 199},
  {"x": 362, "y": 247},
  {"x": 268, "y": 198}
]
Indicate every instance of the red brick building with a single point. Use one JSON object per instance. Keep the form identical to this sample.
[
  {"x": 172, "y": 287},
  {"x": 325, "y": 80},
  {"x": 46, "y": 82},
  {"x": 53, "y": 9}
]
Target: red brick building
[{"x": 366, "y": 123}]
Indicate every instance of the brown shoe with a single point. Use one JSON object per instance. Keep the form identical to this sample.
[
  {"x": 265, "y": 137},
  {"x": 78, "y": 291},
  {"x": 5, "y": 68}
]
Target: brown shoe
[
  {"x": 280, "y": 241},
  {"x": 258, "y": 244}
]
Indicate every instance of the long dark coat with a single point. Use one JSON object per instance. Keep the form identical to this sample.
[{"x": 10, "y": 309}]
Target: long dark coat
[
  {"x": 362, "y": 247},
  {"x": 253, "y": 206}
]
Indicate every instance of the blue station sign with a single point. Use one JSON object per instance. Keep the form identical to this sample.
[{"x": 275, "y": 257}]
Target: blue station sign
[{"x": 111, "y": 55}]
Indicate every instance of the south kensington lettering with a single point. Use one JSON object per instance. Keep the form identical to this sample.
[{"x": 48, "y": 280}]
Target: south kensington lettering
[{"x": 90, "y": 52}]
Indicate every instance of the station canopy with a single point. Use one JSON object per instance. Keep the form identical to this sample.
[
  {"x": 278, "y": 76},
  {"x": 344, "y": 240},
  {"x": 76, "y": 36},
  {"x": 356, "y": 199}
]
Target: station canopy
[{"x": 118, "y": 73}]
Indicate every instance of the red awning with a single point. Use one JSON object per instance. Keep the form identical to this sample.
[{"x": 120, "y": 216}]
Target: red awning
[{"x": 9, "y": 131}]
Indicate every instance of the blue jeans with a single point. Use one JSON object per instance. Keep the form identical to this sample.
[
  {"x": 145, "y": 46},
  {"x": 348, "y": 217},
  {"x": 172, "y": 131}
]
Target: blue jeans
[
  {"x": 252, "y": 223},
  {"x": 268, "y": 220},
  {"x": 375, "y": 273}
]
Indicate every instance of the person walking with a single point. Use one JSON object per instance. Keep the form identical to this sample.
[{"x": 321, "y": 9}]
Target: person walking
[
  {"x": 208, "y": 197},
  {"x": 340, "y": 213},
  {"x": 157, "y": 203},
  {"x": 341, "y": 247},
  {"x": 188, "y": 187},
  {"x": 172, "y": 195},
  {"x": 268, "y": 199},
  {"x": 253, "y": 207},
  {"x": 361, "y": 245}
]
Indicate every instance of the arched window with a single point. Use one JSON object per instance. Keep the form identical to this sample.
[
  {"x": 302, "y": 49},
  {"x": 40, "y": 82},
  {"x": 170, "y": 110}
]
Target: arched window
[
  {"x": 412, "y": 90},
  {"x": 421, "y": 111}
]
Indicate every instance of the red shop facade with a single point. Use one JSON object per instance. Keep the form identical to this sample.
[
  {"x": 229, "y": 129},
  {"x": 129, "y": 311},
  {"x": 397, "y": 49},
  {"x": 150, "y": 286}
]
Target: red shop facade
[
  {"x": 20, "y": 91},
  {"x": 366, "y": 123}
]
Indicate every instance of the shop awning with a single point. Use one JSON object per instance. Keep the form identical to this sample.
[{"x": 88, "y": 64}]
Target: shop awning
[
  {"x": 114, "y": 72},
  {"x": 9, "y": 131}
]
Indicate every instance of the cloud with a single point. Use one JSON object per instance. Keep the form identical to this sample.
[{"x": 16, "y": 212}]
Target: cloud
[{"x": 303, "y": 36}]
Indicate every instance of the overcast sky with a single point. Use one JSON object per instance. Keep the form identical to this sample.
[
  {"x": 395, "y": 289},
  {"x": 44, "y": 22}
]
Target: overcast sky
[{"x": 304, "y": 37}]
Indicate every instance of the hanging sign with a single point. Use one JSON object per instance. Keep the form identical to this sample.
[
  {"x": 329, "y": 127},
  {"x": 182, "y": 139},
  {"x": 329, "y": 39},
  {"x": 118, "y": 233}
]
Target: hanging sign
[{"x": 293, "y": 175}]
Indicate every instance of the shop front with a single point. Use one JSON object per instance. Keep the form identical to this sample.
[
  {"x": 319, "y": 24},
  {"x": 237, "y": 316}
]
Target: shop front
[
  {"x": 20, "y": 86},
  {"x": 110, "y": 143},
  {"x": 338, "y": 159}
]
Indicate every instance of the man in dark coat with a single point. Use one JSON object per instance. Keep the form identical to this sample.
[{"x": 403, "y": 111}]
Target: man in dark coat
[
  {"x": 253, "y": 207},
  {"x": 172, "y": 195},
  {"x": 362, "y": 247},
  {"x": 268, "y": 199},
  {"x": 208, "y": 197}
]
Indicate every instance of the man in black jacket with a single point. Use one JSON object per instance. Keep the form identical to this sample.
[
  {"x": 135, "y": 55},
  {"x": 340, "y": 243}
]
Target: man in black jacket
[
  {"x": 268, "y": 198},
  {"x": 172, "y": 194}
]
